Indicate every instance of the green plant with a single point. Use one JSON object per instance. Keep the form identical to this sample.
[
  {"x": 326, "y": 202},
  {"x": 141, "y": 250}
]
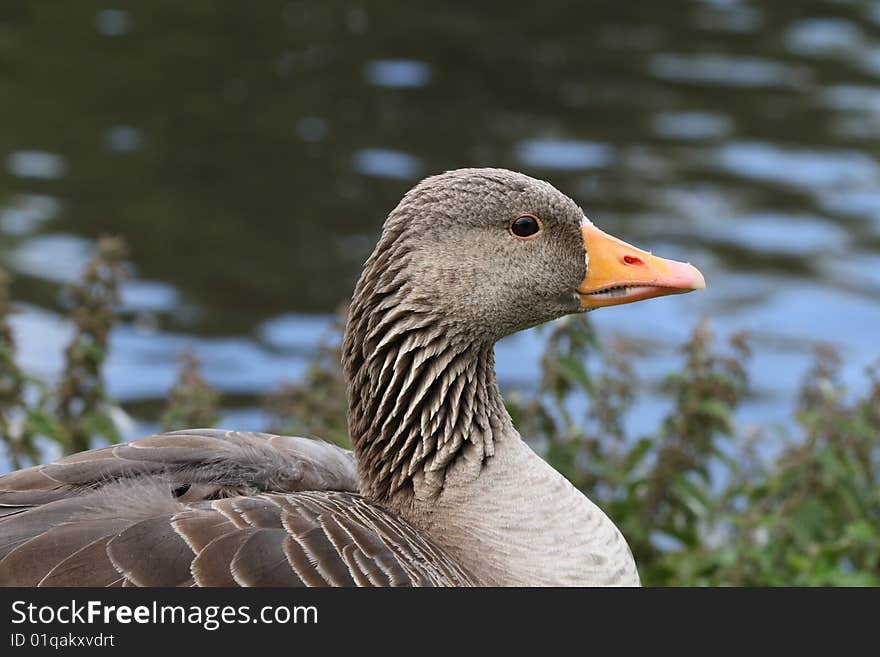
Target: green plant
[
  {"x": 192, "y": 403},
  {"x": 15, "y": 430},
  {"x": 82, "y": 396},
  {"x": 315, "y": 406},
  {"x": 810, "y": 516}
]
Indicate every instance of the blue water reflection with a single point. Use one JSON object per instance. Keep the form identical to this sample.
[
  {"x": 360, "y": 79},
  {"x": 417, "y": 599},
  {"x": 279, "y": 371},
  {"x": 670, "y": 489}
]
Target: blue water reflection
[
  {"x": 113, "y": 22},
  {"x": 824, "y": 36},
  {"x": 784, "y": 234},
  {"x": 35, "y": 164},
  {"x": 397, "y": 73},
  {"x": 122, "y": 139},
  {"x": 387, "y": 163},
  {"x": 562, "y": 154},
  {"x": 53, "y": 257},
  {"x": 726, "y": 70},
  {"x": 807, "y": 168},
  {"x": 26, "y": 213},
  {"x": 692, "y": 125}
]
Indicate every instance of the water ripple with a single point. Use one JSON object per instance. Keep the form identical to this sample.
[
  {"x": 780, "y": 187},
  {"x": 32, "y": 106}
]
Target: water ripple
[
  {"x": 397, "y": 73},
  {"x": 785, "y": 234},
  {"x": 563, "y": 154},
  {"x": 800, "y": 167},
  {"x": 27, "y": 212},
  {"x": 727, "y": 70},
  {"x": 113, "y": 22},
  {"x": 386, "y": 163},
  {"x": 123, "y": 139},
  {"x": 148, "y": 296},
  {"x": 691, "y": 125},
  {"x": 36, "y": 164},
  {"x": 57, "y": 257},
  {"x": 823, "y": 36}
]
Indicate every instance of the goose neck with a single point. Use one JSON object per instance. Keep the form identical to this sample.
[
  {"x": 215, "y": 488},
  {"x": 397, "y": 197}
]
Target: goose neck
[{"x": 419, "y": 394}]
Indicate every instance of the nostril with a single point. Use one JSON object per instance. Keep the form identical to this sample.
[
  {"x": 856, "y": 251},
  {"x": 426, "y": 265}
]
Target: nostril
[{"x": 632, "y": 260}]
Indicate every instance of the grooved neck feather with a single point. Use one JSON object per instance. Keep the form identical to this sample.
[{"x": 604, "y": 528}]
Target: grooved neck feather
[{"x": 419, "y": 391}]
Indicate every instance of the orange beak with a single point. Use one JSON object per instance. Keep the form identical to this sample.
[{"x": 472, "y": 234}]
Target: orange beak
[{"x": 619, "y": 273}]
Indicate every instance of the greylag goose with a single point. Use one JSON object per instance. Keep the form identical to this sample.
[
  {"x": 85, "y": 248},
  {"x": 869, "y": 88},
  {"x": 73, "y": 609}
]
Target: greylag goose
[{"x": 440, "y": 488}]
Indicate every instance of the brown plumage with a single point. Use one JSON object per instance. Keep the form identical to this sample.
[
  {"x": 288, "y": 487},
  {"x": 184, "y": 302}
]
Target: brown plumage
[
  {"x": 440, "y": 489},
  {"x": 207, "y": 508}
]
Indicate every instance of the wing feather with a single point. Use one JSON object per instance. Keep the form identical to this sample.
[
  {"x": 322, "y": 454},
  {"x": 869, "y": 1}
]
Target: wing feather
[
  {"x": 262, "y": 561},
  {"x": 208, "y": 508},
  {"x": 31, "y": 561},
  {"x": 88, "y": 566},
  {"x": 152, "y": 553},
  {"x": 212, "y": 566}
]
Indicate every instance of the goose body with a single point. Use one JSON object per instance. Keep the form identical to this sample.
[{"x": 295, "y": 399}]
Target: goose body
[{"x": 440, "y": 489}]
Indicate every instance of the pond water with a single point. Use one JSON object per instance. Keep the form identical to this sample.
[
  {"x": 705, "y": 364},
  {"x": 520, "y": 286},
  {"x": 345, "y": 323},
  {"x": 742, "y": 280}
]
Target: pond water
[{"x": 249, "y": 152}]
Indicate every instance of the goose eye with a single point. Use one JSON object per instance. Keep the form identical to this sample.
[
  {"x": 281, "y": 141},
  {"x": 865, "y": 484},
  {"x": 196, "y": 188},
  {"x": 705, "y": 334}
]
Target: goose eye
[{"x": 525, "y": 226}]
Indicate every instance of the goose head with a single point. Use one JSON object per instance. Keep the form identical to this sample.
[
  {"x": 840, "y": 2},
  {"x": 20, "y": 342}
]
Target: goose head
[{"x": 493, "y": 251}]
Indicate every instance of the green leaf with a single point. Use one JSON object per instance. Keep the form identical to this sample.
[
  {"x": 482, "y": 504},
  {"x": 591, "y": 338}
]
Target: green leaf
[
  {"x": 693, "y": 496},
  {"x": 43, "y": 424},
  {"x": 574, "y": 372},
  {"x": 100, "y": 424},
  {"x": 637, "y": 453}
]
